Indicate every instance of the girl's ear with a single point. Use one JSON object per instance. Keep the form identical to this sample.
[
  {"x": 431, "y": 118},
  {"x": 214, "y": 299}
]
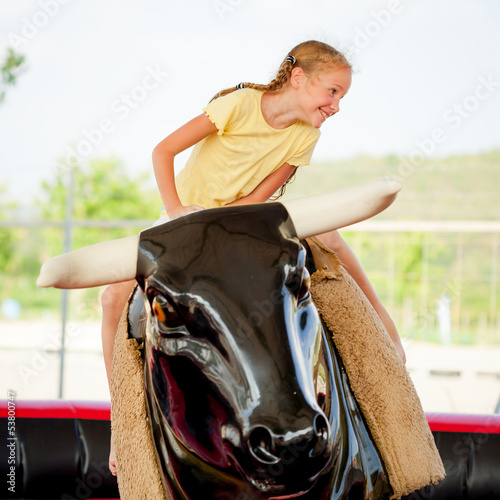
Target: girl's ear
[{"x": 297, "y": 77}]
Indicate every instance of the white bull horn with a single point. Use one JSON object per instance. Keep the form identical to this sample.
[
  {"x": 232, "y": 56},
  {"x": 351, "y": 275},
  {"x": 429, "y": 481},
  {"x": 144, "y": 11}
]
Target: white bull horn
[
  {"x": 101, "y": 264},
  {"x": 320, "y": 213},
  {"x": 116, "y": 260}
]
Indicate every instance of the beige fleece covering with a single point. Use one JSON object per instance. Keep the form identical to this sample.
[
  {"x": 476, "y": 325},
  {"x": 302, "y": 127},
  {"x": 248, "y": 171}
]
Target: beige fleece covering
[
  {"x": 139, "y": 475},
  {"x": 377, "y": 376}
]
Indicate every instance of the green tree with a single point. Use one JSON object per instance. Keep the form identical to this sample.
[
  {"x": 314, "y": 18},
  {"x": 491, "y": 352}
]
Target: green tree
[
  {"x": 9, "y": 71},
  {"x": 7, "y": 239},
  {"x": 103, "y": 191}
]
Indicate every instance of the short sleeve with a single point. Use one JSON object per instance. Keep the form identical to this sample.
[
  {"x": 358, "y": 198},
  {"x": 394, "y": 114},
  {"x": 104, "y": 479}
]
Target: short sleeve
[
  {"x": 223, "y": 111},
  {"x": 304, "y": 154}
]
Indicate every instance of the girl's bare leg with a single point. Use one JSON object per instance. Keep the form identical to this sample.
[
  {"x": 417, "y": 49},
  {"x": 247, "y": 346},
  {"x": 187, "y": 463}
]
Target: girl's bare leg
[
  {"x": 333, "y": 240},
  {"x": 113, "y": 301}
]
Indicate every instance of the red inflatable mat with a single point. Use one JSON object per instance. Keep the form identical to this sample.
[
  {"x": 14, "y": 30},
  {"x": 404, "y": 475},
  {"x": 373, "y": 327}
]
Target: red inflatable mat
[
  {"x": 94, "y": 410},
  {"x": 101, "y": 410},
  {"x": 458, "y": 422}
]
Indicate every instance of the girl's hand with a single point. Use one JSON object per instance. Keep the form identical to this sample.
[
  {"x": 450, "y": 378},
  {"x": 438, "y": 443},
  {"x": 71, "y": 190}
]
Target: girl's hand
[{"x": 183, "y": 210}]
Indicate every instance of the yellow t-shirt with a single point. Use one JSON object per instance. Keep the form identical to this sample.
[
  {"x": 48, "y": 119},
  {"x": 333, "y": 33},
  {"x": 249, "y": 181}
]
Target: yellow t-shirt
[{"x": 231, "y": 163}]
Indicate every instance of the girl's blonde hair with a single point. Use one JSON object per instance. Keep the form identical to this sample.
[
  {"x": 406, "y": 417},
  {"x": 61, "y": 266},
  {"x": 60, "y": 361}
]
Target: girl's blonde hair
[{"x": 313, "y": 57}]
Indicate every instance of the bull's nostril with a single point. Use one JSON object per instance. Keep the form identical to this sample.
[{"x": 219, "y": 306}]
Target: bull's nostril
[
  {"x": 321, "y": 400},
  {"x": 320, "y": 426},
  {"x": 322, "y": 431},
  {"x": 260, "y": 443}
]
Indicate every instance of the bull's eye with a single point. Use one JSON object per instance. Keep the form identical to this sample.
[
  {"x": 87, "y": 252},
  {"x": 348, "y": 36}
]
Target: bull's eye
[
  {"x": 299, "y": 282},
  {"x": 166, "y": 315},
  {"x": 158, "y": 311},
  {"x": 305, "y": 285},
  {"x": 306, "y": 279}
]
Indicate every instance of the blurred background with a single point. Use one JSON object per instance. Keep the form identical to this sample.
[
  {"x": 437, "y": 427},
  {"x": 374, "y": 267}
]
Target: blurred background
[{"x": 89, "y": 88}]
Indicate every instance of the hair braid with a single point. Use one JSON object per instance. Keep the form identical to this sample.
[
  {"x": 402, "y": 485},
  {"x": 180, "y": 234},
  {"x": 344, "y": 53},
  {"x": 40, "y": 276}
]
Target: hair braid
[
  {"x": 311, "y": 56},
  {"x": 283, "y": 75}
]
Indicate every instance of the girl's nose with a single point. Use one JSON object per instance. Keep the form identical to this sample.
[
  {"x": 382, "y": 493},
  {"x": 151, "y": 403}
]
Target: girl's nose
[{"x": 335, "y": 106}]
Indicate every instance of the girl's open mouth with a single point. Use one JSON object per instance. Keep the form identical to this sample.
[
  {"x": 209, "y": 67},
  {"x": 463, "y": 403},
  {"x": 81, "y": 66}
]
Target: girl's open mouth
[{"x": 325, "y": 114}]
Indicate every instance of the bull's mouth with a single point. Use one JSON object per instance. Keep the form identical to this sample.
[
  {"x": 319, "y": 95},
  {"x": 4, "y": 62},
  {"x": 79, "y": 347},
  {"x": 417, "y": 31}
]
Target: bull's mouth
[
  {"x": 276, "y": 490},
  {"x": 274, "y": 478}
]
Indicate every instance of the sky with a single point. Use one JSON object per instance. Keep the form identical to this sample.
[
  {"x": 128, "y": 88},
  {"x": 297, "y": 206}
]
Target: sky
[{"x": 114, "y": 78}]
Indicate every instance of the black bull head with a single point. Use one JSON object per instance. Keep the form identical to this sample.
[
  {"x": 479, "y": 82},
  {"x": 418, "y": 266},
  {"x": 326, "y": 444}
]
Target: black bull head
[{"x": 247, "y": 395}]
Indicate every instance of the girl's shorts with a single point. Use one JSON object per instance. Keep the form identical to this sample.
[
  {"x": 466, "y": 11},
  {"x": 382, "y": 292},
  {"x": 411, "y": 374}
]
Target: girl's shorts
[{"x": 163, "y": 217}]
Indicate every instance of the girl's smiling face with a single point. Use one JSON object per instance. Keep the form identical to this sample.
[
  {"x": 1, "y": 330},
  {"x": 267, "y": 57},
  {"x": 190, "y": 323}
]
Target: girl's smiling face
[{"x": 319, "y": 96}]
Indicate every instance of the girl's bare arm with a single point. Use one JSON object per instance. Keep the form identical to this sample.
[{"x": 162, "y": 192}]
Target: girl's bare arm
[
  {"x": 268, "y": 186},
  {"x": 163, "y": 161}
]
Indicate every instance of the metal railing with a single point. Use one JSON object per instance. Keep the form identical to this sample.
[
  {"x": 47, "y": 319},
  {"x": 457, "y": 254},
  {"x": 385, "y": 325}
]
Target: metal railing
[
  {"x": 463, "y": 245},
  {"x": 378, "y": 245}
]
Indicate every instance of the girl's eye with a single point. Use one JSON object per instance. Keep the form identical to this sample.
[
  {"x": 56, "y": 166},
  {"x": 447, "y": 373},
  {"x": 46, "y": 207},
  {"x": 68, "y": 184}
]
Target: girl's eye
[{"x": 332, "y": 91}]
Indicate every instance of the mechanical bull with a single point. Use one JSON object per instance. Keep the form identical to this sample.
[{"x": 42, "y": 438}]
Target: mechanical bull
[{"x": 247, "y": 396}]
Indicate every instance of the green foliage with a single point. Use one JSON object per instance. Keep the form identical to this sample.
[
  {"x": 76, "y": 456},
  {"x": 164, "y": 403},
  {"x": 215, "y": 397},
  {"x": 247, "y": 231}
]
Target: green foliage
[
  {"x": 8, "y": 71},
  {"x": 7, "y": 239},
  {"x": 449, "y": 188},
  {"x": 101, "y": 192},
  {"x": 410, "y": 271}
]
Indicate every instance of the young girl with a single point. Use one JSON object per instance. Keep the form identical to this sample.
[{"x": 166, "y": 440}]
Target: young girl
[{"x": 248, "y": 143}]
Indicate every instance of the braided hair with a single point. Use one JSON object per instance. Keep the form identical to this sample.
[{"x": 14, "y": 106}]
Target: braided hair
[{"x": 312, "y": 56}]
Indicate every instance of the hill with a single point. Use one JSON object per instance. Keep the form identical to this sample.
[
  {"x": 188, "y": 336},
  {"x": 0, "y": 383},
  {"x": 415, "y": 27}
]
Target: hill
[{"x": 447, "y": 188}]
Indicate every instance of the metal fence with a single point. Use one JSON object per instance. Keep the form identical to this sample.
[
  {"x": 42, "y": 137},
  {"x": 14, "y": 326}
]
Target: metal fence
[
  {"x": 438, "y": 279},
  {"x": 435, "y": 276}
]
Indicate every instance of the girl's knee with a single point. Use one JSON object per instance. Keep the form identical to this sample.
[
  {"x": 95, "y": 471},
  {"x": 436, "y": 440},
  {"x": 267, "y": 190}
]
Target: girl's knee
[
  {"x": 115, "y": 295},
  {"x": 332, "y": 240},
  {"x": 107, "y": 296}
]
